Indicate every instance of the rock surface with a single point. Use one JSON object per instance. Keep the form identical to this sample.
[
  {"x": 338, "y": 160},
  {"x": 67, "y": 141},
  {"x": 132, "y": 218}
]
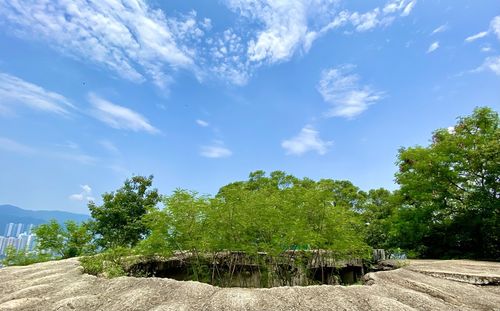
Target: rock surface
[{"x": 422, "y": 285}]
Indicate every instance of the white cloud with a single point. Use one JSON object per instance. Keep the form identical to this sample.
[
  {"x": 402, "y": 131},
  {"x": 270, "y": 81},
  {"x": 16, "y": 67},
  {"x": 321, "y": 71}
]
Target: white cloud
[
  {"x": 139, "y": 42},
  {"x": 440, "y": 29},
  {"x": 202, "y": 123},
  {"x": 376, "y": 17},
  {"x": 84, "y": 195},
  {"x": 365, "y": 21},
  {"x": 492, "y": 64},
  {"x": 341, "y": 88},
  {"x": 227, "y": 52},
  {"x": 434, "y": 46},
  {"x": 119, "y": 117},
  {"x": 76, "y": 197},
  {"x": 286, "y": 27},
  {"x": 216, "y": 150},
  {"x": 393, "y": 6},
  {"x": 127, "y": 37},
  {"x": 451, "y": 129},
  {"x": 307, "y": 140},
  {"x": 10, "y": 145},
  {"x": 86, "y": 188},
  {"x": 495, "y": 26},
  {"x": 16, "y": 92},
  {"x": 486, "y": 48},
  {"x": 408, "y": 8},
  {"x": 476, "y": 36}
]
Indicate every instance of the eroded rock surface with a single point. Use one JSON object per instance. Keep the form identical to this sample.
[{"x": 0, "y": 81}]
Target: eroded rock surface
[{"x": 422, "y": 285}]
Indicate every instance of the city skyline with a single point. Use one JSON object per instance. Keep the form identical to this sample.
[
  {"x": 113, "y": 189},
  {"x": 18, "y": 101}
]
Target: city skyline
[{"x": 19, "y": 236}]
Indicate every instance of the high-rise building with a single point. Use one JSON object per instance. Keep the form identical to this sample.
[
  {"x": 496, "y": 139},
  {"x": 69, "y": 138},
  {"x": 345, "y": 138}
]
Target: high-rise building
[
  {"x": 29, "y": 228},
  {"x": 30, "y": 245},
  {"x": 12, "y": 241},
  {"x": 18, "y": 230},
  {"x": 3, "y": 244},
  {"x": 23, "y": 241},
  {"x": 18, "y": 236},
  {"x": 9, "y": 228}
]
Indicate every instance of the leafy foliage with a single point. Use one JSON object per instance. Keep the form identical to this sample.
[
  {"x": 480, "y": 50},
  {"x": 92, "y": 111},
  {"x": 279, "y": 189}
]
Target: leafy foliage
[
  {"x": 50, "y": 238},
  {"x": 451, "y": 190},
  {"x": 14, "y": 257},
  {"x": 109, "y": 263},
  {"x": 380, "y": 212},
  {"x": 66, "y": 241},
  {"x": 264, "y": 214},
  {"x": 119, "y": 220}
]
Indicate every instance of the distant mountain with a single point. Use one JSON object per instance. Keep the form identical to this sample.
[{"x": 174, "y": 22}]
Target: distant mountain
[{"x": 10, "y": 213}]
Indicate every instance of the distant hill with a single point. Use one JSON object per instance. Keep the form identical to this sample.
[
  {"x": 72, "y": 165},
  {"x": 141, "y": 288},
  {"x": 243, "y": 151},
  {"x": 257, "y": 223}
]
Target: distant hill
[{"x": 10, "y": 213}]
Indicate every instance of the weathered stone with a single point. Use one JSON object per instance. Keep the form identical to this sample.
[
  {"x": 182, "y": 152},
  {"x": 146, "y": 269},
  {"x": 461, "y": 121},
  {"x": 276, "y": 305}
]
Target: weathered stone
[{"x": 421, "y": 285}]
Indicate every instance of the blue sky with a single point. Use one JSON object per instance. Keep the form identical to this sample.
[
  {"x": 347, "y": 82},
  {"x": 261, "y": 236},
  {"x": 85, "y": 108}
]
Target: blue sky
[{"x": 200, "y": 93}]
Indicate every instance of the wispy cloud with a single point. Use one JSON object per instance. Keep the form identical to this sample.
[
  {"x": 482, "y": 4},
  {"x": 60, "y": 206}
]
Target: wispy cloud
[
  {"x": 68, "y": 156},
  {"x": 495, "y": 26},
  {"x": 129, "y": 38},
  {"x": 408, "y": 8},
  {"x": 228, "y": 57},
  {"x": 486, "y": 48},
  {"x": 307, "y": 140},
  {"x": 490, "y": 64},
  {"x": 10, "y": 145},
  {"x": 15, "y": 91},
  {"x": 71, "y": 145},
  {"x": 216, "y": 150},
  {"x": 119, "y": 117},
  {"x": 202, "y": 123},
  {"x": 342, "y": 89},
  {"x": 434, "y": 46},
  {"x": 84, "y": 195},
  {"x": 288, "y": 27},
  {"x": 285, "y": 25},
  {"x": 366, "y": 21},
  {"x": 480, "y": 35},
  {"x": 137, "y": 41},
  {"x": 109, "y": 146},
  {"x": 440, "y": 29}
]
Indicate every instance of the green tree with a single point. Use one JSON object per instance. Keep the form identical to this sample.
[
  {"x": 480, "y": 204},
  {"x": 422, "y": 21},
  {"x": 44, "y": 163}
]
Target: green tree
[
  {"x": 50, "y": 238},
  {"x": 380, "y": 210},
  {"x": 78, "y": 240},
  {"x": 281, "y": 212},
  {"x": 179, "y": 226},
  {"x": 15, "y": 257},
  {"x": 66, "y": 241},
  {"x": 451, "y": 190},
  {"x": 119, "y": 220},
  {"x": 270, "y": 214}
]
